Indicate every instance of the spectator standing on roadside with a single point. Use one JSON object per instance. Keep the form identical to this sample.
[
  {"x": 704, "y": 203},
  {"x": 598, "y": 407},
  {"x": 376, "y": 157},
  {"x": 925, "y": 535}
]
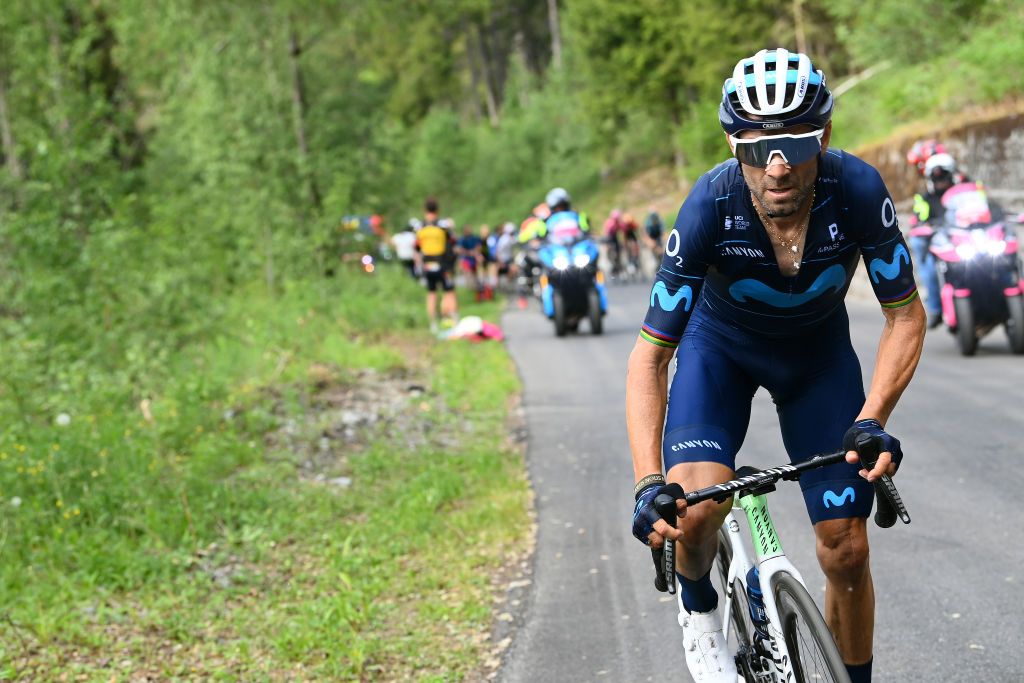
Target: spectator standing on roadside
[
  {"x": 435, "y": 251},
  {"x": 470, "y": 259},
  {"x": 404, "y": 243}
]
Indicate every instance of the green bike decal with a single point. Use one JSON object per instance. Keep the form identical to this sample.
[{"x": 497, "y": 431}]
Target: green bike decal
[{"x": 766, "y": 540}]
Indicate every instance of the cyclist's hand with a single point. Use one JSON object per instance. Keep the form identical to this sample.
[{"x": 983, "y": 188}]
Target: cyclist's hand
[
  {"x": 648, "y": 526},
  {"x": 891, "y": 454}
]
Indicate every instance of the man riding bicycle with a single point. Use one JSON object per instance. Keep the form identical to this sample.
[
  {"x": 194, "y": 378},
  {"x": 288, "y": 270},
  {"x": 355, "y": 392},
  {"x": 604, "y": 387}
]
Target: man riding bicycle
[{"x": 751, "y": 294}]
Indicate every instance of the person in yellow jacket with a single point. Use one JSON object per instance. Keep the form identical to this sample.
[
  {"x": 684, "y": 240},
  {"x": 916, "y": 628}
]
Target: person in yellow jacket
[{"x": 434, "y": 248}]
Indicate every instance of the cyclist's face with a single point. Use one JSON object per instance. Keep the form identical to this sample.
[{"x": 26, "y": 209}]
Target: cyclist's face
[{"x": 781, "y": 189}]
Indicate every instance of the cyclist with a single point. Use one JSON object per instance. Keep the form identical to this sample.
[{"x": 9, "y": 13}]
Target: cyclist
[
  {"x": 751, "y": 294},
  {"x": 940, "y": 173},
  {"x": 613, "y": 227},
  {"x": 655, "y": 229},
  {"x": 630, "y": 232},
  {"x": 435, "y": 247}
]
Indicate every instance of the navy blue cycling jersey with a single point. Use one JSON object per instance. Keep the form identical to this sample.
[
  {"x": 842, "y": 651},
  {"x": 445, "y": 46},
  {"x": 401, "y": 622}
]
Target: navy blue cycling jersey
[{"x": 720, "y": 258}]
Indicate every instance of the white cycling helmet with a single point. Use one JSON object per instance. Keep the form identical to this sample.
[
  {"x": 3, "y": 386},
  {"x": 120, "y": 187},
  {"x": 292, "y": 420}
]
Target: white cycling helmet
[
  {"x": 774, "y": 89},
  {"x": 557, "y": 196},
  {"x": 939, "y": 162}
]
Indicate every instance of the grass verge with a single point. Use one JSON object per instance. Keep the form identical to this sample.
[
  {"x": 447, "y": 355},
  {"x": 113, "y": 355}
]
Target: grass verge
[{"x": 234, "y": 518}]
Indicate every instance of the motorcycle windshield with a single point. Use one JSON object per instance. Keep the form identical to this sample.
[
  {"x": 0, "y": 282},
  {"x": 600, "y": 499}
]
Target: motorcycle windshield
[{"x": 966, "y": 204}]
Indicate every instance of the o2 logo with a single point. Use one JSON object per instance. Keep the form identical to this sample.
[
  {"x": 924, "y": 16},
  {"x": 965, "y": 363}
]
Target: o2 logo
[{"x": 672, "y": 247}]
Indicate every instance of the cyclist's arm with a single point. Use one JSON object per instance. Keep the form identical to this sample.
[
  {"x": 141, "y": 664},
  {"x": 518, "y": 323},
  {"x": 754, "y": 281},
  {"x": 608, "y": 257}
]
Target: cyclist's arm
[
  {"x": 898, "y": 354},
  {"x": 891, "y": 274},
  {"x": 646, "y": 395}
]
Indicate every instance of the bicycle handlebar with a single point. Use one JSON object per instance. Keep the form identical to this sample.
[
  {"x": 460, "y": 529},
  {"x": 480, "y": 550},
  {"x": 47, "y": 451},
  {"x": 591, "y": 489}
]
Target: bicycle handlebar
[{"x": 890, "y": 504}]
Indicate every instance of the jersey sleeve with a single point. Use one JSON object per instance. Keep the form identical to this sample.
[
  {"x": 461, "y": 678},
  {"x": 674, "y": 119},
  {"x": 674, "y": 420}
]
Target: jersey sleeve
[
  {"x": 688, "y": 253},
  {"x": 882, "y": 246}
]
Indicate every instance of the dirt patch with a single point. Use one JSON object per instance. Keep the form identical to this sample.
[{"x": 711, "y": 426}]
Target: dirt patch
[{"x": 345, "y": 412}]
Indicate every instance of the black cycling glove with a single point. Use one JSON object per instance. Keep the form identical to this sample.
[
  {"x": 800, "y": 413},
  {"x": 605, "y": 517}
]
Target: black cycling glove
[{"x": 873, "y": 428}]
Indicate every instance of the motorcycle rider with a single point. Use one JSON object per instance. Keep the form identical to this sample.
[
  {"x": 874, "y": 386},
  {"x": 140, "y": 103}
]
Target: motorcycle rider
[
  {"x": 564, "y": 225},
  {"x": 532, "y": 232},
  {"x": 940, "y": 173}
]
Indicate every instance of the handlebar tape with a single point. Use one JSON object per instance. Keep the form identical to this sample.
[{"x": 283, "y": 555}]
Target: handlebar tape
[{"x": 665, "y": 557}]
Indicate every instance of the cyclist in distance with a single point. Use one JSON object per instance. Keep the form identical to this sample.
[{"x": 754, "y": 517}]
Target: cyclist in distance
[
  {"x": 613, "y": 247},
  {"x": 654, "y": 227},
  {"x": 751, "y": 294}
]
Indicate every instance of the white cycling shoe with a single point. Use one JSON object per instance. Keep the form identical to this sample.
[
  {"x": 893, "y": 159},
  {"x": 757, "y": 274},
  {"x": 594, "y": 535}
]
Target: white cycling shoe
[{"x": 707, "y": 654}]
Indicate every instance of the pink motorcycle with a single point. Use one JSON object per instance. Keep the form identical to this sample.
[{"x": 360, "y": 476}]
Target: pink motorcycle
[{"x": 979, "y": 272}]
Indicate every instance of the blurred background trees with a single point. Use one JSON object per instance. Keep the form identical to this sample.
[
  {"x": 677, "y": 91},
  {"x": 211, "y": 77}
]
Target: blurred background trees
[{"x": 155, "y": 157}]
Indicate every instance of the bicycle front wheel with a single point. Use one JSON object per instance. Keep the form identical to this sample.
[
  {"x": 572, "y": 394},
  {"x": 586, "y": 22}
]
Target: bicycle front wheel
[
  {"x": 748, "y": 661},
  {"x": 812, "y": 650}
]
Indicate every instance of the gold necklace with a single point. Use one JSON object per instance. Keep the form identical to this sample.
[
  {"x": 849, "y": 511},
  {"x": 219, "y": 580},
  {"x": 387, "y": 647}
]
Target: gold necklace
[{"x": 774, "y": 232}]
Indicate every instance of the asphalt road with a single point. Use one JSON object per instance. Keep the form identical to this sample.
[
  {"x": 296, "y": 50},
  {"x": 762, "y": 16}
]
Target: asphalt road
[{"x": 950, "y": 586}]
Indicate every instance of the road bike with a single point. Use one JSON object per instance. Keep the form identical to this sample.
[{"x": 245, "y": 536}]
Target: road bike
[{"x": 791, "y": 642}]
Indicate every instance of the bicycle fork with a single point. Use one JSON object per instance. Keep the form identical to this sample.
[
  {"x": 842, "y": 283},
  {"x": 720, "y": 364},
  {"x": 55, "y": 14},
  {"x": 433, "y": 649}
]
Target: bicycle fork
[{"x": 770, "y": 560}]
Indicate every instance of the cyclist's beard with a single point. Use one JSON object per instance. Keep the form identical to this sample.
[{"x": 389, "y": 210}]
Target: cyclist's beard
[{"x": 775, "y": 207}]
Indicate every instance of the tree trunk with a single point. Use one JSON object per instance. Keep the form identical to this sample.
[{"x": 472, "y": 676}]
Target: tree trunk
[
  {"x": 556, "y": 34},
  {"x": 7, "y": 135},
  {"x": 57, "y": 58},
  {"x": 678, "y": 153},
  {"x": 299, "y": 113},
  {"x": 798, "y": 23},
  {"x": 474, "y": 75},
  {"x": 485, "y": 67}
]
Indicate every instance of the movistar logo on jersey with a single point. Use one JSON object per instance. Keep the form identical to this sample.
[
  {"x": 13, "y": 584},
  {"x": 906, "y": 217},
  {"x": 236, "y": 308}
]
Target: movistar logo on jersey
[
  {"x": 830, "y": 499},
  {"x": 833, "y": 277},
  {"x": 889, "y": 269},
  {"x": 668, "y": 302}
]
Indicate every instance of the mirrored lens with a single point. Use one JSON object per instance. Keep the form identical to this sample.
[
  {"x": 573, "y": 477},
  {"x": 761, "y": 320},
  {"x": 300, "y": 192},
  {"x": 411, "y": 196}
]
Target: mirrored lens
[{"x": 794, "y": 149}]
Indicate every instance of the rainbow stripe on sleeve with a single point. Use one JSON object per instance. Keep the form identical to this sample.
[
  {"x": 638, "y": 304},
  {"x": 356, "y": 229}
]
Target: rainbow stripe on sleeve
[
  {"x": 657, "y": 337},
  {"x": 900, "y": 299}
]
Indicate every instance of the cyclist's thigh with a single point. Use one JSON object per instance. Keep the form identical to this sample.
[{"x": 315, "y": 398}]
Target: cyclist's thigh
[
  {"x": 814, "y": 417},
  {"x": 709, "y": 402}
]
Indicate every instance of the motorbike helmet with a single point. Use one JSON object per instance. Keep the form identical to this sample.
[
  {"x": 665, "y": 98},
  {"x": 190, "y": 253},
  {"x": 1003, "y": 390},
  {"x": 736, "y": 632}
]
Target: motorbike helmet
[
  {"x": 557, "y": 196},
  {"x": 940, "y": 168},
  {"x": 774, "y": 89},
  {"x": 922, "y": 151}
]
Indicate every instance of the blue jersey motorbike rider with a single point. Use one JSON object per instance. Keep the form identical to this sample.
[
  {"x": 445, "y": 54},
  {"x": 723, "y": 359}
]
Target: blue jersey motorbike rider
[{"x": 751, "y": 294}]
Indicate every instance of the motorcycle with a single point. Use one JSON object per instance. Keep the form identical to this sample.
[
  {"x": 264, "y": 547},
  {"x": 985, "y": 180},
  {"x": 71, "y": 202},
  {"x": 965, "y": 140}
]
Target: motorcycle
[
  {"x": 975, "y": 251},
  {"x": 528, "y": 270},
  {"x": 572, "y": 286}
]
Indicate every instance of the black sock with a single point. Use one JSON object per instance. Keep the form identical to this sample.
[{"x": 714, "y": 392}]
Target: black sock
[
  {"x": 859, "y": 673},
  {"x": 699, "y": 595}
]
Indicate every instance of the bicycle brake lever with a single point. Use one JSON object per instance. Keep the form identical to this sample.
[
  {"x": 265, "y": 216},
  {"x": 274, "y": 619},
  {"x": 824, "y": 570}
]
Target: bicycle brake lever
[
  {"x": 890, "y": 504},
  {"x": 665, "y": 504}
]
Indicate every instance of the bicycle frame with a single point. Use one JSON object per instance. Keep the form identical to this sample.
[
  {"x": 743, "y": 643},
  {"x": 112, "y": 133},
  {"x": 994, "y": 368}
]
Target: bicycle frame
[{"x": 770, "y": 560}]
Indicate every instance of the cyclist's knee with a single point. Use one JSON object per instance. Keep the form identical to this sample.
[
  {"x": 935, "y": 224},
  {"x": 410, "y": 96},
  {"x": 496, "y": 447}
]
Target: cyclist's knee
[
  {"x": 701, "y": 522},
  {"x": 843, "y": 549}
]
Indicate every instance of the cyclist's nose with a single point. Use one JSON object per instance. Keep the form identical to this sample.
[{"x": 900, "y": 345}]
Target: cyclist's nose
[{"x": 777, "y": 166}]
